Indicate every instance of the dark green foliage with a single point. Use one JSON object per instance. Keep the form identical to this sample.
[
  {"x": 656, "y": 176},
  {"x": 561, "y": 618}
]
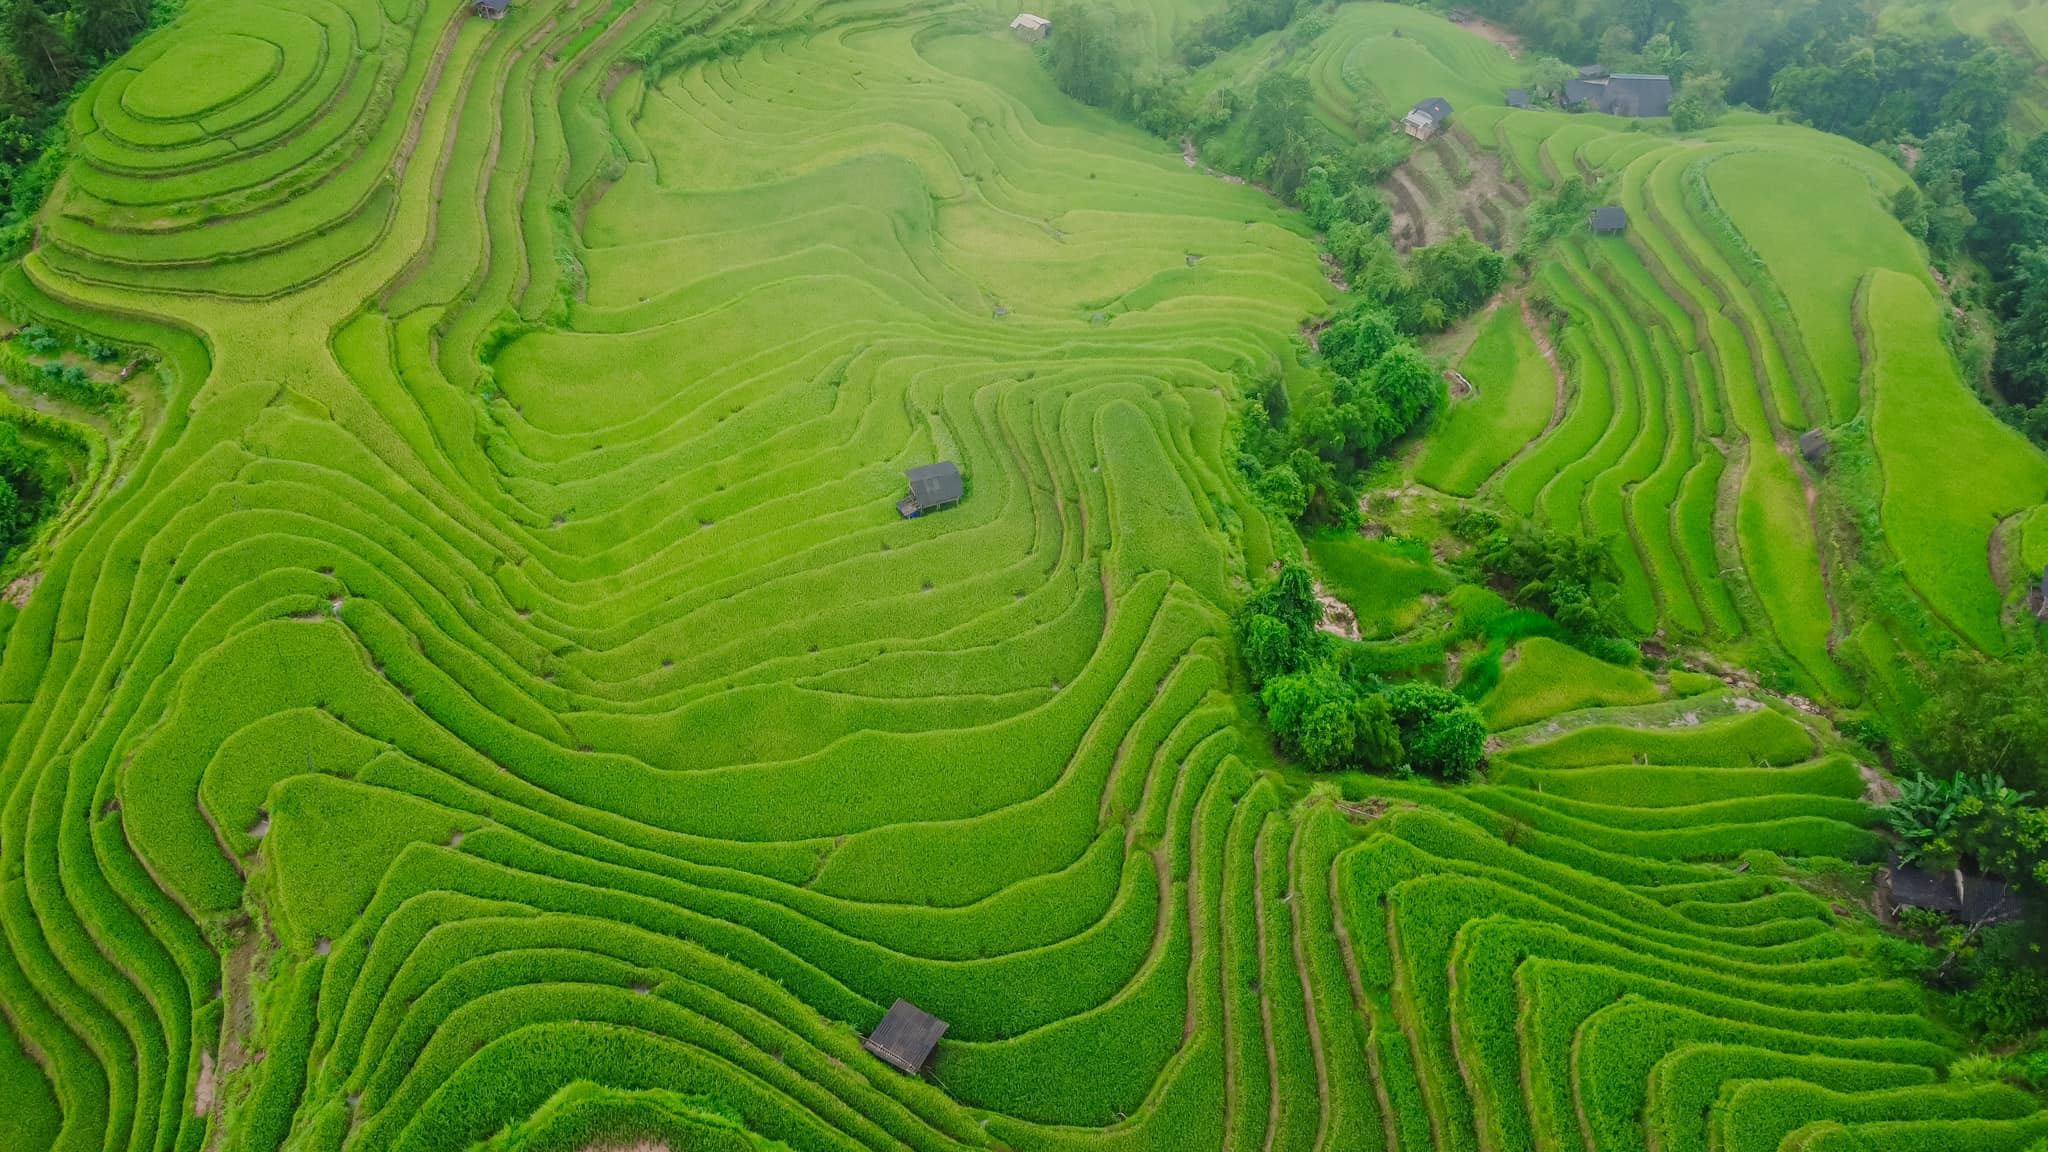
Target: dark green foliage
[
  {"x": 39, "y": 48},
  {"x": 30, "y": 490},
  {"x": 1985, "y": 715},
  {"x": 1571, "y": 579},
  {"x": 1309, "y": 464},
  {"x": 1276, "y": 626},
  {"x": 106, "y": 26},
  {"x": 1443, "y": 732},
  {"x": 1562, "y": 212},
  {"x": 1083, "y": 54},
  {"x": 1700, "y": 103},
  {"x": 1328, "y": 723}
]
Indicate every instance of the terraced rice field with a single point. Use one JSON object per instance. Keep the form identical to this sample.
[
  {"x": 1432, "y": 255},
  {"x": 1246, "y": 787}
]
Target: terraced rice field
[
  {"x": 495, "y": 692},
  {"x": 1698, "y": 348}
]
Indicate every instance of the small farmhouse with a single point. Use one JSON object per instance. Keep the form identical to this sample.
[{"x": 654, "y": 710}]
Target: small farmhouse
[
  {"x": 1611, "y": 220},
  {"x": 1029, "y": 27},
  {"x": 1622, "y": 94},
  {"x": 1518, "y": 97},
  {"x": 490, "y": 9},
  {"x": 906, "y": 1037},
  {"x": 932, "y": 487},
  {"x": 1968, "y": 898},
  {"x": 1427, "y": 118}
]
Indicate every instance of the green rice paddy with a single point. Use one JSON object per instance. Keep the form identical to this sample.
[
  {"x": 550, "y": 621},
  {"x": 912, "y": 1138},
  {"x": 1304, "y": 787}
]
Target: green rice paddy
[{"x": 493, "y": 697}]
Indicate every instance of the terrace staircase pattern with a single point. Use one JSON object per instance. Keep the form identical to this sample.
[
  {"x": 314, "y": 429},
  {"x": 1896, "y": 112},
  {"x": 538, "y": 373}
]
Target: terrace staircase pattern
[{"x": 494, "y": 688}]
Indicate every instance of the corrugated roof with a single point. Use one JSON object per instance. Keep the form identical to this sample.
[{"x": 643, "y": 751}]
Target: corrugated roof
[
  {"x": 935, "y": 484},
  {"x": 906, "y": 1036}
]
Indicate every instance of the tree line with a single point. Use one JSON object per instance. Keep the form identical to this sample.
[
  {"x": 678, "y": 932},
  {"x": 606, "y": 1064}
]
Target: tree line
[{"x": 52, "y": 48}]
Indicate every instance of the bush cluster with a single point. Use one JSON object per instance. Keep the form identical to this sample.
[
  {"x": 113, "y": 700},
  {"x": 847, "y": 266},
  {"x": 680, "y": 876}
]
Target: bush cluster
[{"x": 1330, "y": 714}]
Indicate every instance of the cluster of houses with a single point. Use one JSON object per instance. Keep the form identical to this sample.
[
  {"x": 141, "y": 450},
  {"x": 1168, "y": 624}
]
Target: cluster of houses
[{"x": 1595, "y": 89}]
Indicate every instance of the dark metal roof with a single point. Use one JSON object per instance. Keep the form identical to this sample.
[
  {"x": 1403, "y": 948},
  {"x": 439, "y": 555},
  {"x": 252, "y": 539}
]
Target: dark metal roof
[
  {"x": 935, "y": 484},
  {"x": 1637, "y": 94},
  {"x": 906, "y": 1036},
  {"x": 1583, "y": 91},
  {"x": 1988, "y": 901},
  {"x": 493, "y": 5},
  {"x": 1436, "y": 108},
  {"x": 1612, "y": 218},
  {"x": 1518, "y": 97},
  {"x": 1914, "y": 887},
  {"x": 1813, "y": 444}
]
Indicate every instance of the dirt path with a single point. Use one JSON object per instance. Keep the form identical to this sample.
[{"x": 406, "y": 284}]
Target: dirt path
[
  {"x": 1487, "y": 30},
  {"x": 1999, "y": 551},
  {"x": 1541, "y": 335}
]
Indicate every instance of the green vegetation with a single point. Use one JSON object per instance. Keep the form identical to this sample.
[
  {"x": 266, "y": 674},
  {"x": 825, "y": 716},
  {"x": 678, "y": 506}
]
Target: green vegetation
[{"x": 477, "y": 690}]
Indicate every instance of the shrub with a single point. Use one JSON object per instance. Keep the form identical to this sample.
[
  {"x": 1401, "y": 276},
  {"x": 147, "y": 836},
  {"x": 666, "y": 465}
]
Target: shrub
[{"x": 1444, "y": 734}]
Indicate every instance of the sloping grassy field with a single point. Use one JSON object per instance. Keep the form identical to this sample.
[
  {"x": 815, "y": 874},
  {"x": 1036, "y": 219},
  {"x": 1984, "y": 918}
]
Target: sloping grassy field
[{"x": 495, "y": 696}]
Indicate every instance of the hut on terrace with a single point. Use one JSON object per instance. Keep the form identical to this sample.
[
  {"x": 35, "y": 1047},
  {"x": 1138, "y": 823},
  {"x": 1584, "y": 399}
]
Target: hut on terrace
[
  {"x": 932, "y": 487},
  {"x": 490, "y": 9},
  {"x": 1518, "y": 97},
  {"x": 1622, "y": 94},
  {"x": 1029, "y": 27},
  {"x": 1428, "y": 118},
  {"x": 1969, "y": 898},
  {"x": 2037, "y": 597},
  {"x": 1610, "y": 221},
  {"x": 1813, "y": 445},
  {"x": 906, "y": 1037}
]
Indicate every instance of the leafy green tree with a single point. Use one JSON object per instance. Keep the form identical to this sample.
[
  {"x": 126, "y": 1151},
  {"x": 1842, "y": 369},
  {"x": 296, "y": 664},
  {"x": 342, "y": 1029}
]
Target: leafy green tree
[
  {"x": 1276, "y": 625},
  {"x": 1408, "y": 384},
  {"x": 1356, "y": 340},
  {"x": 2012, "y": 213},
  {"x": 1445, "y": 736},
  {"x": 106, "y": 26},
  {"x": 1572, "y": 579},
  {"x": 45, "y": 60},
  {"x": 1700, "y": 103},
  {"x": 1985, "y": 714},
  {"x": 1086, "y": 60},
  {"x": 1460, "y": 274}
]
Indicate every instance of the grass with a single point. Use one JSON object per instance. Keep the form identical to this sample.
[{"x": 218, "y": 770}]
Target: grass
[
  {"x": 1383, "y": 582},
  {"x": 1939, "y": 518},
  {"x": 489, "y": 678},
  {"x": 1547, "y": 677},
  {"x": 1510, "y": 406}
]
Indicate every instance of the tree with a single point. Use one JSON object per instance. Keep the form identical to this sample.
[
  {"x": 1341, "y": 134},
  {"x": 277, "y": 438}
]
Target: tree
[
  {"x": 2020, "y": 366},
  {"x": 2011, "y": 213},
  {"x": 1985, "y": 715},
  {"x": 1700, "y": 103},
  {"x": 1408, "y": 384},
  {"x": 1444, "y": 734},
  {"x": 1355, "y": 341},
  {"x": 1085, "y": 58},
  {"x": 39, "y": 48},
  {"x": 1276, "y": 625},
  {"x": 106, "y": 26},
  {"x": 1460, "y": 274}
]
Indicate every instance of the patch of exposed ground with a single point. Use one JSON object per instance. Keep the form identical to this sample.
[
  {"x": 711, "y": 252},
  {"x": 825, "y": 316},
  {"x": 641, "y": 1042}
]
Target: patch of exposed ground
[
  {"x": 1488, "y": 30},
  {"x": 1877, "y": 790},
  {"x": 1338, "y": 618}
]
